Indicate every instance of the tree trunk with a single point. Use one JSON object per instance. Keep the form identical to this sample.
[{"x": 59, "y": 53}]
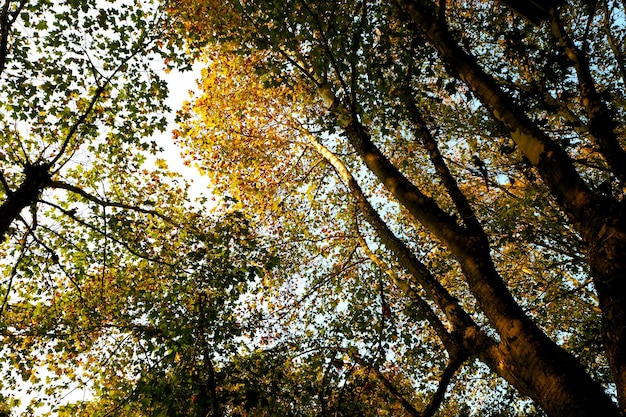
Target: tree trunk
[
  {"x": 600, "y": 220},
  {"x": 37, "y": 178},
  {"x": 607, "y": 258},
  {"x": 527, "y": 358}
]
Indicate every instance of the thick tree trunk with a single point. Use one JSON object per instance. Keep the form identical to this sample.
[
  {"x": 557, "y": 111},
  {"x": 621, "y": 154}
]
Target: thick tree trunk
[
  {"x": 527, "y": 358},
  {"x": 600, "y": 220},
  {"x": 37, "y": 178},
  {"x": 607, "y": 258}
]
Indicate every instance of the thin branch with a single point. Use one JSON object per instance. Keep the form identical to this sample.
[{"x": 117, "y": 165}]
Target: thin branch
[
  {"x": 55, "y": 258},
  {"x": 326, "y": 45},
  {"x": 105, "y": 203},
  {"x": 459, "y": 319},
  {"x": 96, "y": 96},
  {"x": 355, "y": 57},
  {"x": 423, "y": 306},
  {"x": 430, "y": 144},
  {"x": 125, "y": 245},
  {"x": 346, "y": 265},
  {"x": 393, "y": 390},
  {"x": 298, "y": 62},
  {"x": 614, "y": 42},
  {"x": 105, "y": 247},
  {"x": 13, "y": 273},
  {"x": 81, "y": 120},
  {"x": 7, "y": 19},
  {"x": 454, "y": 364}
]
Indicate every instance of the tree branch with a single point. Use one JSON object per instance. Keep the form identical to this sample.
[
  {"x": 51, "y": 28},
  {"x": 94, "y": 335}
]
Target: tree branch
[
  {"x": 554, "y": 165},
  {"x": 104, "y": 203},
  {"x": 446, "y": 338},
  {"x": 454, "y": 364},
  {"x": 614, "y": 43},
  {"x": 6, "y": 23},
  {"x": 94, "y": 99},
  {"x": 430, "y": 144},
  {"x": 595, "y": 217},
  {"x": 460, "y": 321},
  {"x": 601, "y": 124},
  {"x": 125, "y": 245},
  {"x": 37, "y": 178}
]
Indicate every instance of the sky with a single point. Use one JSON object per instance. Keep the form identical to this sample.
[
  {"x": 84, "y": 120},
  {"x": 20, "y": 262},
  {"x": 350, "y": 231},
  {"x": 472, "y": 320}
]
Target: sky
[{"x": 180, "y": 83}]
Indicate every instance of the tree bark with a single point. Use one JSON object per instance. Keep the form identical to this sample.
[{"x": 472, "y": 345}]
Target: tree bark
[
  {"x": 600, "y": 220},
  {"x": 528, "y": 359},
  {"x": 37, "y": 178},
  {"x": 466, "y": 334}
]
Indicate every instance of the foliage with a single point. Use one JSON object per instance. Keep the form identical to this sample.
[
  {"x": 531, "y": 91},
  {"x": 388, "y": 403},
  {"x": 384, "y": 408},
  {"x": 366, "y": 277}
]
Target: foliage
[
  {"x": 440, "y": 177},
  {"x": 88, "y": 231},
  {"x": 422, "y": 212}
]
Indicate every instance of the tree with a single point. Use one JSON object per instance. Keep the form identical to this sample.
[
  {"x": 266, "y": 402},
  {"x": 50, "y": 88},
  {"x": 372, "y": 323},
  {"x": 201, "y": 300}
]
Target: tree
[
  {"x": 86, "y": 226},
  {"x": 115, "y": 281},
  {"x": 476, "y": 159},
  {"x": 172, "y": 331}
]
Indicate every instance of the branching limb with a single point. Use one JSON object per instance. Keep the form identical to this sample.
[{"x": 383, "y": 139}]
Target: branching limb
[
  {"x": 601, "y": 124},
  {"x": 460, "y": 321},
  {"x": 430, "y": 144},
  {"x": 13, "y": 273},
  {"x": 591, "y": 214},
  {"x": 105, "y": 203},
  {"x": 423, "y": 306},
  {"x": 454, "y": 364},
  {"x": 614, "y": 43},
  {"x": 125, "y": 245},
  {"x": 36, "y": 179},
  {"x": 7, "y": 19},
  {"x": 97, "y": 95}
]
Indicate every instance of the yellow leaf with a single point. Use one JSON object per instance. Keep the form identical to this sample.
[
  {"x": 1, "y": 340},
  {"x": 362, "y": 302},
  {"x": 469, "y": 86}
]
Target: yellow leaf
[{"x": 160, "y": 163}]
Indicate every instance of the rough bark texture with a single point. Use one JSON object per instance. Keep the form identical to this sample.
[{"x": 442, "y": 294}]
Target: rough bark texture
[
  {"x": 600, "y": 220},
  {"x": 527, "y": 358},
  {"x": 607, "y": 258}
]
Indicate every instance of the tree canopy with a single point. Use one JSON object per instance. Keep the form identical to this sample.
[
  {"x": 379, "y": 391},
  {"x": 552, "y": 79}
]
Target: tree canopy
[{"x": 422, "y": 208}]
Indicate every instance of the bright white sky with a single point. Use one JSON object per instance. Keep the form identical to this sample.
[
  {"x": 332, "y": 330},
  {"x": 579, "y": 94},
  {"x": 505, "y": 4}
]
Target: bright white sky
[{"x": 180, "y": 83}]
